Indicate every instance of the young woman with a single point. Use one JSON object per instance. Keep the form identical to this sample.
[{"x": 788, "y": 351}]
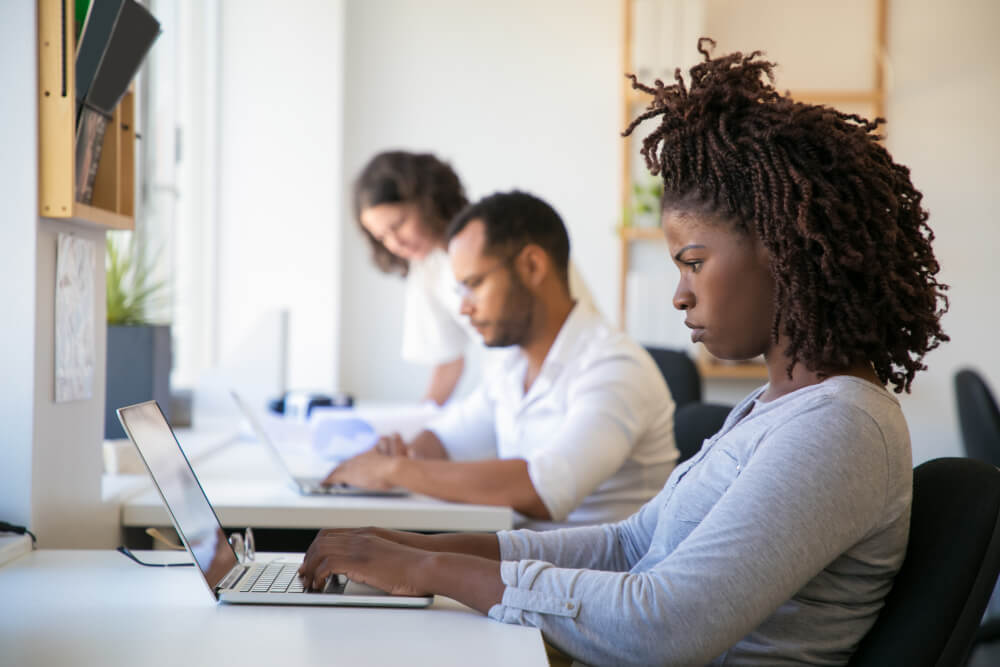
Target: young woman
[
  {"x": 797, "y": 237},
  {"x": 403, "y": 203}
]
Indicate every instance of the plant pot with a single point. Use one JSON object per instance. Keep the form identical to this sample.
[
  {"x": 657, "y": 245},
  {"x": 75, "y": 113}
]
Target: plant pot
[{"x": 138, "y": 369}]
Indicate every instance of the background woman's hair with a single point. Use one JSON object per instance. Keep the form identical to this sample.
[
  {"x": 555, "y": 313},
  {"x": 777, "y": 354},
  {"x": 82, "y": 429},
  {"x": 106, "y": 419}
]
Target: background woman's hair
[
  {"x": 855, "y": 275},
  {"x": 399, "y": 177}
]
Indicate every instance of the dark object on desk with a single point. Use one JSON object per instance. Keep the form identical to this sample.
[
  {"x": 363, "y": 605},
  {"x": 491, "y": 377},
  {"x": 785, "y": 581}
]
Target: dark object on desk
[
  {"x": 6, "y": 527},
  {"x": 124, "y": 551},
  {"x": 301, "y": 403},
  {"x": 138, "y": 363},
  {"x": 978, "y": 417},
  {"x": 952, "y": 560},
  {"x": 681, "y": 374},
  {"x": 115, "y": 39},
  {"x": 696, "y": 422}
]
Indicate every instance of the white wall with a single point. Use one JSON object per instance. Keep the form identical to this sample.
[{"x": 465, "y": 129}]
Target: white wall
[
  {"x": 18, "y": 192},
  {"x": 943, "y": 101},
  {"x": 279, "y": 178},
  {"x": 67, "y": 510},
  {"x": 50, "y": 454},
  {"x": 515, "y": 94}
]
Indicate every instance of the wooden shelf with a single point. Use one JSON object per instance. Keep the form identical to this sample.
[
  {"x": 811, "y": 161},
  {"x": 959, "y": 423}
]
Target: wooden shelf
[
  {"x": 835, "y": 97},
  {"x": 113, "y": 204},
  {"x": 711, "y": 369},
  {"x": 631, "y": 98},
  {"x": 101, "y": 217},
  {"x": 640, "y": 233}
]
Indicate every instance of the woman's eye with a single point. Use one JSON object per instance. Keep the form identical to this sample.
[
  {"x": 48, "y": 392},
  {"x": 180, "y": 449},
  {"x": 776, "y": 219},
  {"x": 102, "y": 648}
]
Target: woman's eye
[{"x": 695, "y": 265}]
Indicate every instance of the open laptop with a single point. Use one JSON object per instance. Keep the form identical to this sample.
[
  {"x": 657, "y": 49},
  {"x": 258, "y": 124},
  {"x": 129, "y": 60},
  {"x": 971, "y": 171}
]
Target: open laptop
[
  {"x": 308, "y": 486},
  {"x": 198, "y": 526}
]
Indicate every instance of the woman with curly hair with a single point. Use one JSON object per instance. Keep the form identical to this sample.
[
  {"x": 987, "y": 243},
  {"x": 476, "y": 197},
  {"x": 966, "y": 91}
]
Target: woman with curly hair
[
  {"x": 797, "y": 237},
  {"x": 403, "y": 203}
]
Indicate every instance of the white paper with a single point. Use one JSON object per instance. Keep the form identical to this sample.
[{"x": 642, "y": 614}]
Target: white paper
[{"x": 75, "y": 347}]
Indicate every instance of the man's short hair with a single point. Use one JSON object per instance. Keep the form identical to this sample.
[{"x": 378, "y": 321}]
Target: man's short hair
[{"x": 514, "y": 220}]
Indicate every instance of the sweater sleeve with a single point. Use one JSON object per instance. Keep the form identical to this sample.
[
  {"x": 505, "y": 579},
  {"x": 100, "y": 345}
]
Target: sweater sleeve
[
  {"x": 612, "y": 546},
  {"x": 814, "y": 487}
]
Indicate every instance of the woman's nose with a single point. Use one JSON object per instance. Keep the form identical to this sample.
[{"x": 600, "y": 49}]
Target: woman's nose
[{"x": 683, "y": 297}]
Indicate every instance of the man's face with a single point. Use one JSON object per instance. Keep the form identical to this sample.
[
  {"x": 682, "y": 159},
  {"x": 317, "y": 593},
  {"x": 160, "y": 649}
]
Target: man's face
[{"x": 497, "y": 303}]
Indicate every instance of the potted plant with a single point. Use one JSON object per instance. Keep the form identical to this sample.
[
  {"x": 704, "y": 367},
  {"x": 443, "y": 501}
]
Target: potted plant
[
  {"x": 138, "y": 350},
  {"x": 643, "y": 209}
]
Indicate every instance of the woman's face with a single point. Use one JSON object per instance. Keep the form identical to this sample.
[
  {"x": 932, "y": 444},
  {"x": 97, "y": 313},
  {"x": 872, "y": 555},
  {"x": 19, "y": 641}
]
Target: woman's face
[
  {"x": 400, "y": 229},
  {"x": 725, "y": 290}
]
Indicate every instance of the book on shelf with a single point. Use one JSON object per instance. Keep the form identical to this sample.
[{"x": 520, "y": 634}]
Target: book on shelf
[{"x": 114, "y": 40}]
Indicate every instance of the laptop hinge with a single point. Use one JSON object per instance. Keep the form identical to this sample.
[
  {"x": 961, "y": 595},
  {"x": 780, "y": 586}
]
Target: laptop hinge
[{"x": 232, "y": 577}]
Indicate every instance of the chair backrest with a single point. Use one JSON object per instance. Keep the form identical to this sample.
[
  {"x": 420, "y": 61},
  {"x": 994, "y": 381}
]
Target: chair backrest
[
  {"x": 681, "y": 374},
  {"x": 952, "y": 560},
  {"x": 978, "y": 417},
  {"x": 694, "y": 422}
]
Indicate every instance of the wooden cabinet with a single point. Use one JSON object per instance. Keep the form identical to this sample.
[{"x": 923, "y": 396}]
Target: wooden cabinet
[
  {"x": 113, "y": 204},
  {"x": 718, "y": 17}
]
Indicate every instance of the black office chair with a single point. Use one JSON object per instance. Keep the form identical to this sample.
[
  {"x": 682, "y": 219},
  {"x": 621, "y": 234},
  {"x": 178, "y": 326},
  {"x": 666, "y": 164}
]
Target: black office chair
[
  {"x": 978, "y": 417},
  {"x": 979, "y": 420},
  {"x": 952, "y": 560},
  {"x": 681, "y": 374},
  {"x": 694, "y": 422}
]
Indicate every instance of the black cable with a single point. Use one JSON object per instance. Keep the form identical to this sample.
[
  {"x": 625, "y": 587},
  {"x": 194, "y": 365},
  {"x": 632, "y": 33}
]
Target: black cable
[
  {"x": 123, "y": 550},
  {"x": 19, "y": 530}
]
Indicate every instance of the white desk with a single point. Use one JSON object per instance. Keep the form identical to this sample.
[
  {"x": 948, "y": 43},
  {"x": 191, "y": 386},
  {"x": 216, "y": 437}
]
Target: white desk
[
  {"x": 99, "y": 608},
  {"x": 246, "y": 490}
]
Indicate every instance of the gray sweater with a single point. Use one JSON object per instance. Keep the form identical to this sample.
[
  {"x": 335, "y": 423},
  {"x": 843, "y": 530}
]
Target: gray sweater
[{"x": 775, "y": 544}]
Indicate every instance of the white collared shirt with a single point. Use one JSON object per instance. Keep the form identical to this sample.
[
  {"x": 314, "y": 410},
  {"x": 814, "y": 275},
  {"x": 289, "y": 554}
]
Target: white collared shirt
[{"x": 596, "y": 426}]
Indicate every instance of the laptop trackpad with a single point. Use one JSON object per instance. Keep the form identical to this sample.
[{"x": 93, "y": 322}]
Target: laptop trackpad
[{"x": 357, "y": 588}]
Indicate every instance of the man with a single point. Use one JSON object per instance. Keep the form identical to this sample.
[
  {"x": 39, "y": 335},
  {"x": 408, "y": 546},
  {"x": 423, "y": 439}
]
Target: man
[{"x": 571, "y": 425}]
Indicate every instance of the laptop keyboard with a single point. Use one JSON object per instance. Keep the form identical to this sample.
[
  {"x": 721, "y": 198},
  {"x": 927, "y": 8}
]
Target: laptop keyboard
[{"x": 272, "y": 578}]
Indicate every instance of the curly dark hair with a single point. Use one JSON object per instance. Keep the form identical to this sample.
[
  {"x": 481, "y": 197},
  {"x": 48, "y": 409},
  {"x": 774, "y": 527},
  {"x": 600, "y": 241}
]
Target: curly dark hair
[
  {"x": 855, "y": 275},
  {"x": 399, "y": 177}
]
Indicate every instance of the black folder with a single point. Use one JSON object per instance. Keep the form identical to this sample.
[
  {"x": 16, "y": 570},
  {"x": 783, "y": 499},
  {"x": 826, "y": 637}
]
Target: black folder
[{"x": 115, "y": 39}]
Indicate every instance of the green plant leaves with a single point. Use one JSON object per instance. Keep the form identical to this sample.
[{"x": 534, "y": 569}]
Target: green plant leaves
[{"x": 131, "y": 292}]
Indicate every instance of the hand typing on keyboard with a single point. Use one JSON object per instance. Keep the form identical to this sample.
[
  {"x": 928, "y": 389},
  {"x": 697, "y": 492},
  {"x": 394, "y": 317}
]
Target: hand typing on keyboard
[{"x": 364, "y": 557}]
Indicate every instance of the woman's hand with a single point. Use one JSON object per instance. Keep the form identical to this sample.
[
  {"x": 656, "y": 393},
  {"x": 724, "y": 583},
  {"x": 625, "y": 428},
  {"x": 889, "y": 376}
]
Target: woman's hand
[{"x": 365, "y": 557}]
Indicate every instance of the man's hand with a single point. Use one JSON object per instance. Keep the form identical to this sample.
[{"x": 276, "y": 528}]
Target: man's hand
[
  {"x": 370, "y": 470},
  {"x": 364, "y": 557}
]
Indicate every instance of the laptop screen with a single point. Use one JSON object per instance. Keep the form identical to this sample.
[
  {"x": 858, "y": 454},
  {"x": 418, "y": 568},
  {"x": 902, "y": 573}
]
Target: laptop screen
[{"x": 193, "y": 516}]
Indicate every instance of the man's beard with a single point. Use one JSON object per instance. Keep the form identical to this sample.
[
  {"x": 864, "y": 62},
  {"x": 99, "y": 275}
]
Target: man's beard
[{"x": 514, "y": 324}]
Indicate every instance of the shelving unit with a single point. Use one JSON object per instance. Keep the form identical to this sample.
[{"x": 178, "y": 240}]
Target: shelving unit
[
  {"x": 113, "y": 205},
  {"x": 633, "y": 101}
]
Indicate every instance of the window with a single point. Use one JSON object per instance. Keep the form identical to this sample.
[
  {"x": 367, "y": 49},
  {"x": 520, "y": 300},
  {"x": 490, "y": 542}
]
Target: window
[{"x": 177, "y": 204}]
